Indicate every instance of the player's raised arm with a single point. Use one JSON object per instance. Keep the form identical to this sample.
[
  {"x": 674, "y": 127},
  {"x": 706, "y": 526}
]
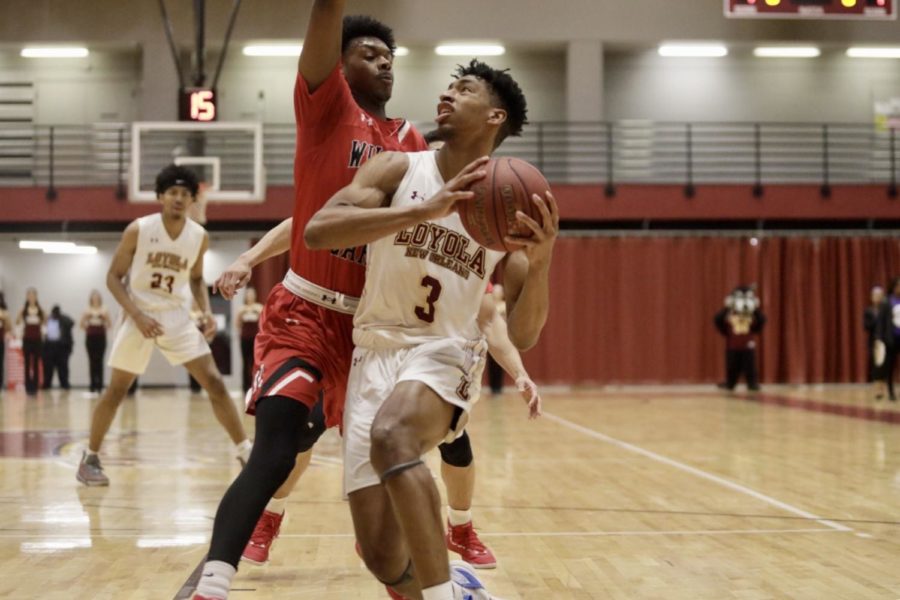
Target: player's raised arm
[
  {"x": 361, "y": 213},
  {"x": 276, "y": 241},
  {"x": 322, "y": 44},
  {"x": 527, "y": 276}
]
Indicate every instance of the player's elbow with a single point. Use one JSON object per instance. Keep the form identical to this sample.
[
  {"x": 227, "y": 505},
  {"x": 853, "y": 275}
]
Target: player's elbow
[{"x": 112, "y": 278}]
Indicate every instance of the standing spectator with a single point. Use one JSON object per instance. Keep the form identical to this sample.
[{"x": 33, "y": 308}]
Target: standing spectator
[
  {"x": 248, "y": 325},
  {"x": 887, "y": 333},
  {"x": 6, "y": 330},
  {"x": 32, "y": 317},
  {"x": 740, "y": 321},
  {"x": 58, "y": 347},
  {"x": 95, "y": 321}
]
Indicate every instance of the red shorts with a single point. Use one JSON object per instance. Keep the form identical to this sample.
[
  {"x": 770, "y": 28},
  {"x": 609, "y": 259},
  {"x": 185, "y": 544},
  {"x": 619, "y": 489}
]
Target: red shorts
[{"x": 302, "y": 351}]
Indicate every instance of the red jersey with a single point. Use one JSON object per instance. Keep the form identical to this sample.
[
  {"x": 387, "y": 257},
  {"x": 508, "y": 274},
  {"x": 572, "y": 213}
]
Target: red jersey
[{"x": 334, "y": 138}]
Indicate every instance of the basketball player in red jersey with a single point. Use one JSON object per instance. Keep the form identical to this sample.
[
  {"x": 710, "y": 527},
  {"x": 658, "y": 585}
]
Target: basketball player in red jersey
[
  {"x": 457, "y": 459},
  {"x": 303, "y": 348}
]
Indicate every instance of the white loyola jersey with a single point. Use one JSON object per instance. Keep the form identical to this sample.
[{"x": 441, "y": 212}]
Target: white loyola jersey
[
  {"x": 426, "y": 282},
  {"x": 160, "y": 273}
]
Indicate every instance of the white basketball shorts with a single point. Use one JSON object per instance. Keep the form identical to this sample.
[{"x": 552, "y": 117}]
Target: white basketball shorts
[
  {"x": 451, "y": 367},
  {"x": 180, "y": 342}
]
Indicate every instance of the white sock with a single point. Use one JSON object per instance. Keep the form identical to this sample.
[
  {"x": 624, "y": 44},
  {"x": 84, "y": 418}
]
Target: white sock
[
  {"x": 89, "y": 452},
  {"x": 243, "y": 449},
  {"x": 215, "y": 579},
  {"x": 458, "y": 517},
  {"x": 443, "y": 591},
  {"x": 276, "y": 505}
]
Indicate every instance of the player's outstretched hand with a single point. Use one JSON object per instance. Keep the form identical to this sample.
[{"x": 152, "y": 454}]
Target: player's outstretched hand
[
  {"x": 455, "y": 190},
  {"x": 148, "y": 326},
  {"x": 235, "y": 277},
  {"x": 530, "y": 394},
  {"x": 539, "y": 243},
  {"x": 209, "y": 327}
]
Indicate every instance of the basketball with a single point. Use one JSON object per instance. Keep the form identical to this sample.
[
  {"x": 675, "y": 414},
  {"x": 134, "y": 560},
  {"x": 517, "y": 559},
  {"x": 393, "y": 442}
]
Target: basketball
[{"x": 491, "y": 215}]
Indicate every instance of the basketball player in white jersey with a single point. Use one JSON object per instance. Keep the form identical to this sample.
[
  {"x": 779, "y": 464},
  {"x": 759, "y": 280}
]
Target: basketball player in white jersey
[
  {"x": 457, "y": 459},
  {"x": 418, "y": 347},
  {"x": 162, "y": 256}
]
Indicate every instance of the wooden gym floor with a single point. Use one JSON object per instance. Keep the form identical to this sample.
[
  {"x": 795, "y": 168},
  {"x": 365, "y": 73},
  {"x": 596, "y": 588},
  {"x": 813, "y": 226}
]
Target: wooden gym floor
[{"x": 632, "y": 493}]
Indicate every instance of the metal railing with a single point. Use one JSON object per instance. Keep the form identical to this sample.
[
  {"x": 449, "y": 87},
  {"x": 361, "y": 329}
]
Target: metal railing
[{"x": 626, "y": 152}]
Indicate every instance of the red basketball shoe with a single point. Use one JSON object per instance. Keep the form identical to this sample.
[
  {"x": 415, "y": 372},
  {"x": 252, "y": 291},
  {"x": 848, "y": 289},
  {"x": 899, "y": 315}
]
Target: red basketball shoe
[
  {"x": 463, "y": 540},
  {"x": 264, "y": 534}
]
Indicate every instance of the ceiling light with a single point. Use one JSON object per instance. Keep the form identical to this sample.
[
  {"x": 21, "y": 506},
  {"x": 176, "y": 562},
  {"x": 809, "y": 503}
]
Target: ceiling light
[
  {"x": 41, "y": 245},
  {"x": 56, "y": 247},
  {"x": 787, "y": 52},
  {"x": 72, "y": 250},
  {"x": 401, "y": 51},
  {"x": 470, "y": 50},
  {"x": 873, "y": 52},
  {"x": 54, "y": 52},
  {"x": 273, "y": 50},
  {"x": 693, "y": 50}
]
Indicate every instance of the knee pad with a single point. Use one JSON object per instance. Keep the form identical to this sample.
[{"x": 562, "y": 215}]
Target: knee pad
[
  {"x": 313, "y": 429},
  {"x": 457, "y": 453}
]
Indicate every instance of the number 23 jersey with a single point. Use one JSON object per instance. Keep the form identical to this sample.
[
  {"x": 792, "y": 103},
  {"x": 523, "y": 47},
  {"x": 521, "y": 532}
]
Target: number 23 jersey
[
  {"x": 426, "y": 282},
  {"x": 159, "y": 278}
]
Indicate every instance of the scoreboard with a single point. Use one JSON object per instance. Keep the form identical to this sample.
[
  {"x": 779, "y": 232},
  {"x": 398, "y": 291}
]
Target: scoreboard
[
  {"x": 197, "y": 104},
  {"x": 812, "y": 9}
]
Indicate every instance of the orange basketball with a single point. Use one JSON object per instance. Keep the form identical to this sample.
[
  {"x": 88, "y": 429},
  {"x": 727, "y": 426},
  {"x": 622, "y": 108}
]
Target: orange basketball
[{"x": 507, "y": 187}]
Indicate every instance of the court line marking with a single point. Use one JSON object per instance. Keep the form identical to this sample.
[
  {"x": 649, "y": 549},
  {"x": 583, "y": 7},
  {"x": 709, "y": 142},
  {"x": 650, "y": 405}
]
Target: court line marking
[
  {"x": 697, "y": 472},
  {"x": 187, "y": 588},
  {"x": 194, "y": 578},
  {"x": 511, "y": 534}
]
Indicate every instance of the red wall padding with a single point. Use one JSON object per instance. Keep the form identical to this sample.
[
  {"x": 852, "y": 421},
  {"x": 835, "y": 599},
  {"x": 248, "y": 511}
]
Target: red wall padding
[{"x": 639, "y": 309}]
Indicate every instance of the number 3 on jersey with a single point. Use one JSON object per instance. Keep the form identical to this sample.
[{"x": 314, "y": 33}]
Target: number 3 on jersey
[
  {"x": 434, "y": 292},
  {"x": 159, "y": 281}
]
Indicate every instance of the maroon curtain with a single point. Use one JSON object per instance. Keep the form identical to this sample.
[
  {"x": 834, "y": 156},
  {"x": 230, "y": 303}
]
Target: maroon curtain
[{"x": 640, "y": 309}]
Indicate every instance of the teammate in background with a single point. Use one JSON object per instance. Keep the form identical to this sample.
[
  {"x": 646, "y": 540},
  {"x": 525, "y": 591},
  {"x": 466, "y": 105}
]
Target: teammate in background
[
  {"x": 303, "y": 348},
  {"x": 418, "y": 349},
  {"x": 162, "y": 255},
  {"x": 95, "y": 321},
  {"x": 247, "y": 324}
]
